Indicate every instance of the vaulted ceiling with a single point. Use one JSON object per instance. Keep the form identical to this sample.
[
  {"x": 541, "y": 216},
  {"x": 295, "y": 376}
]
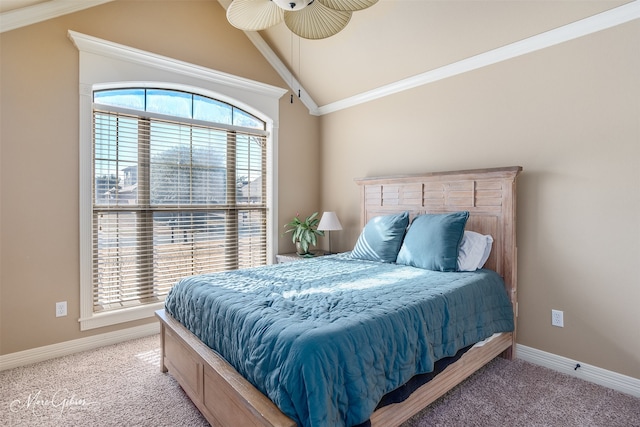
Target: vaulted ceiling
[{"x": 399, "y": 43}]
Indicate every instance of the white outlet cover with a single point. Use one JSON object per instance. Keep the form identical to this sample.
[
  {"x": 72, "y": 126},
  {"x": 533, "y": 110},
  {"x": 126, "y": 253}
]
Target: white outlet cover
[
  {"x": 557, "y": 318},
  {"x": 61, "y": 309}
]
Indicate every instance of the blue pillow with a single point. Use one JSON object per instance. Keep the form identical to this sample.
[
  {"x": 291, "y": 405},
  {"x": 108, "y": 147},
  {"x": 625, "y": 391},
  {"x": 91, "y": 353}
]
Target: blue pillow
[
  {"x": 433, "y": 240},
  {"x": 381, "y": 238}
]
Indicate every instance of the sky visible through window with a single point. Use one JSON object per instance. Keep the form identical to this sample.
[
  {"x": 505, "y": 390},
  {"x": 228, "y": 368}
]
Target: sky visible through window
[{"x": 178, "y": 104}]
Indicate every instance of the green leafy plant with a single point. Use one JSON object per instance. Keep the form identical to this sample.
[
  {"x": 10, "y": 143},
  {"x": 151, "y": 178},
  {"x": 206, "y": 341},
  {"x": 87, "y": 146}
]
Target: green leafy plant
[{"x": 304, "y": 232}]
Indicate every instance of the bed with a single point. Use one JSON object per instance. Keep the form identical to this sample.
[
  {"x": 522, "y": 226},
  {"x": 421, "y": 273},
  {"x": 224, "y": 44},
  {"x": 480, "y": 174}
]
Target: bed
[{"x": 225, "y": 397}]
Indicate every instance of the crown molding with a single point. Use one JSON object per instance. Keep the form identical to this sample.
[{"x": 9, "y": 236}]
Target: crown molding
[
  {"x": 283, "y": 71},
  {"x": 285, "y": 74},
  {"x": 108, "y": 49},
  {"x": 51, "y": 9},
  {"x": 584, "y": 27},
  {"x": 608, "y": 19},
  {"x": 42, "y": 11}
]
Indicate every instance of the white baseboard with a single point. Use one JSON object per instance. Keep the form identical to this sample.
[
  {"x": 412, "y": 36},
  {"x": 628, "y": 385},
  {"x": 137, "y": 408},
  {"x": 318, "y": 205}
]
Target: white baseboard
[
  {"x": 594, "y": 374},
  {"x": 34, "y": 355}
]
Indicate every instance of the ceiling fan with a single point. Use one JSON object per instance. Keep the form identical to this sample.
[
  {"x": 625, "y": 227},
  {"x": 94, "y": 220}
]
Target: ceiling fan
[{"x": 310, "y": 19}]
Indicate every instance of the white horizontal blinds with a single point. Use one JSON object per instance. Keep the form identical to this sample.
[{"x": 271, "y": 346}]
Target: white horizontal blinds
[
  {"x": 117, "y": 271},
  {"x": 172, "y": 199},
  {"x": 250, "y": 163},
  {"x": 252, "y": 237}
]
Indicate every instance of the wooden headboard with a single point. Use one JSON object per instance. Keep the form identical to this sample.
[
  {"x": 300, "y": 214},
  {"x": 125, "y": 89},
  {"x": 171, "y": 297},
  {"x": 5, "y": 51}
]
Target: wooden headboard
[{"x": 488, "y": 194}]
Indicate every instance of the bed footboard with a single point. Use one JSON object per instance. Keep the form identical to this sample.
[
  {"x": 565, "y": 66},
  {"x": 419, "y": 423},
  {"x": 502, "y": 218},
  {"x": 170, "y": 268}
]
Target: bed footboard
[{"x": 221, "y": 394}]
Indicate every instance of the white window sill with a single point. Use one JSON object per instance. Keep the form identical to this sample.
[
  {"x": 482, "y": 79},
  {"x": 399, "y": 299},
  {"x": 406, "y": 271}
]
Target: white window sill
[{"x": 100, "y": 320}]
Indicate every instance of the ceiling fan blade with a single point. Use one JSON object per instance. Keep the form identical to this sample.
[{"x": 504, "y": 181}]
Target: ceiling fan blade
[
  {"x": 316, "y": 21},
  {"x": 351, "y": 5},
  {"x": 254, "y": 15}
]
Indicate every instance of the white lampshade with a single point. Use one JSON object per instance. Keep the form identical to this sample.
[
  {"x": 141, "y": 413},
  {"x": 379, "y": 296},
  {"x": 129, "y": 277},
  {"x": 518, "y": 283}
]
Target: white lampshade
[{"x": 329, "y": 221}]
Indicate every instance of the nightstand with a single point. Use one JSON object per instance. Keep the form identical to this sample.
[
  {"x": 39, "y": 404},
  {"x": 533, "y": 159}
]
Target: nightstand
[{"x": 290, "y": 257}]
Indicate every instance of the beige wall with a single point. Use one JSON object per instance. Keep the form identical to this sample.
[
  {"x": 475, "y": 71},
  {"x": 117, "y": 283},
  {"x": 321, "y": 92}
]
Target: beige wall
[
  {"x": 39, "y": 151},
  {"x": 570, "y": 115}
]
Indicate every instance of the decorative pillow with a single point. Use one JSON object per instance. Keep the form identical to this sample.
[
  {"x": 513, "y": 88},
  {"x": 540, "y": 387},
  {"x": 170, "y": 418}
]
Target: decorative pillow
[
  {"x": 381, "y": 238},
  {"x": 474, "y": 251},
  {"x": 433, "y": 240}
]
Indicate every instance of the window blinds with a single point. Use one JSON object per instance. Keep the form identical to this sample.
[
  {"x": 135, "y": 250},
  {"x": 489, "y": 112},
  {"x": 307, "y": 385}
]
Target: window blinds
[{"x": 172, "y": 199}]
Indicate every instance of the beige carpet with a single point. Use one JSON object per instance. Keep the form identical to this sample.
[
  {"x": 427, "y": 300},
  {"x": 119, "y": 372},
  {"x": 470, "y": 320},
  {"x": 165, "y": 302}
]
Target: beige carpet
[
  {"x": 121, "y": 385},
  {"x": 517, "y": 393}
]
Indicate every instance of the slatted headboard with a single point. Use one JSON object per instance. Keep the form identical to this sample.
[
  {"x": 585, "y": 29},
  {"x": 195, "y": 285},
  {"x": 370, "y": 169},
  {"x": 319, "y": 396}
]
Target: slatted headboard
[{"x": 488, "y": 194}]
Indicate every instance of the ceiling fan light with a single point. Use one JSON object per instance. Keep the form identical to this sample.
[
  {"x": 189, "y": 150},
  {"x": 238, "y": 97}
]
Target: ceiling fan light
[
  {"x": 310, "y": 19},
  {"x": 292, "y": 5}
]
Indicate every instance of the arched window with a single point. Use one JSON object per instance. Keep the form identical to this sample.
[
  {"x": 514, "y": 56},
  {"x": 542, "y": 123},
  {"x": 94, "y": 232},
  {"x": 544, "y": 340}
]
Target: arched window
[
  {"x": 177, "y": 176},
  {"x": 178, "y": 190}
]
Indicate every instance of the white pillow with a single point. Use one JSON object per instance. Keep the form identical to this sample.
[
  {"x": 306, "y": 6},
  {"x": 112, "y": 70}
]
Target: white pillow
[{"x": 474, "y": 251}]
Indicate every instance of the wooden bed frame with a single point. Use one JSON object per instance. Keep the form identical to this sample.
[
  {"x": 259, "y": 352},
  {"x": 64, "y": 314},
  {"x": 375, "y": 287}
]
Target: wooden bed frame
[{"x": 225, "y": 398}]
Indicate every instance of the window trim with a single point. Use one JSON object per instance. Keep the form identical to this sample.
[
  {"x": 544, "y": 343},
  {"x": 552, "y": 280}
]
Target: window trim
[{"x": 107, "y": 65}]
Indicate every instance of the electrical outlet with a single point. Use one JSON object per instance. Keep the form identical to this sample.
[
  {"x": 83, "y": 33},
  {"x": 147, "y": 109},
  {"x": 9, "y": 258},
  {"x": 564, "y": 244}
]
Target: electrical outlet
[
  {"x": 557, "y": 318},
  {"x": 61, "y": 309}
]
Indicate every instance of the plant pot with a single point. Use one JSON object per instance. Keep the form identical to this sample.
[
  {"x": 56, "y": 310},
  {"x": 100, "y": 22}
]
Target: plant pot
[{"x": 299, "y": 250}]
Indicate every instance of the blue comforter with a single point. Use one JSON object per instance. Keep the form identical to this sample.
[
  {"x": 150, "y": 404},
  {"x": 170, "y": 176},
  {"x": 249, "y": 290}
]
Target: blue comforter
[{"x": 326, "y": 338}]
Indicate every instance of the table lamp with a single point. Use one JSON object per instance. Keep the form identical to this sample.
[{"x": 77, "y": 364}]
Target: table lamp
[{"x": 329, "y": 222}]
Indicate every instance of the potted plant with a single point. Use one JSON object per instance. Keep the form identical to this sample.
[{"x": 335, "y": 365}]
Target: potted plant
[{"x": 304, "y": 232}]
